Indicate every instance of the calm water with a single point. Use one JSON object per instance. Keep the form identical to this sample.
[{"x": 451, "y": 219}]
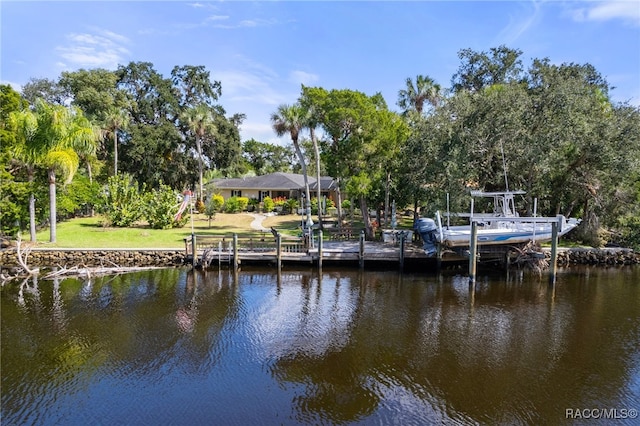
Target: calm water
[{"x": 346, "y": 347}]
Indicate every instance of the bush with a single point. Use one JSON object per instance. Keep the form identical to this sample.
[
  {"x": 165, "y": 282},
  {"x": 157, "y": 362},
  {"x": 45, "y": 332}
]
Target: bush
[
  {"x": 346, "y": 205},
  {"x": 236, "y": 204},
  {"x": 243, "y": 202},
  {"x": 291, "y": 204},
  {"x": 200, "y": 207},
  {"x": 215, "y": 203},
  {"x": 159, "y": 207},
  {"x": 254, "y": 203},
  {"x": 268, "y": 204},
  {"x": 120, "y": 201}
]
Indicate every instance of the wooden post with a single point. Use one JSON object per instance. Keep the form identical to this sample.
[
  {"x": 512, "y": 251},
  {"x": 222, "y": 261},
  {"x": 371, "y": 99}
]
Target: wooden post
[
  {"x": 361, "y": 253},
  {"x": 236, "y": 261},
  {"x": 279, "y": 250},
  {"x": 402, "y": 238},
  {"x": 194, "y": 251},
  {"x": 554, "y": 253},
  {"x": 320, "y": 248},
  {"x": 473, "y": 246},
  {"x": 219, "y": 254}
]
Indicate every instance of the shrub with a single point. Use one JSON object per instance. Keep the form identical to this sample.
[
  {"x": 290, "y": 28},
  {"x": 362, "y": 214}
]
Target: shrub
[
  {"x": 291, "y": 204},
  {"x": 268, "y": 204},
  {"x": 243, "y": 202},
  {"x": 159, "y": 207},
  {"x": 231, "y": 205},
  {"x": 346, "y": 204},
  {"x": 120, "y": 201},
  {"x": 200, "y": 206},
  {"x": 216, "y": 203}
]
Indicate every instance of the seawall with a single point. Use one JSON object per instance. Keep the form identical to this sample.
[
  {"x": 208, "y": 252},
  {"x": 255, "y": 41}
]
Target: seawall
[
  {"x": 592, "y": 256},
  {"x": 44, "y": 257},
  {"x": 96, "y": 257}
]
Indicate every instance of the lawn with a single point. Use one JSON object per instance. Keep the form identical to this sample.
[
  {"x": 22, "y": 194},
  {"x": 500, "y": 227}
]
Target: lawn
[{"x": 90, "y": 233}]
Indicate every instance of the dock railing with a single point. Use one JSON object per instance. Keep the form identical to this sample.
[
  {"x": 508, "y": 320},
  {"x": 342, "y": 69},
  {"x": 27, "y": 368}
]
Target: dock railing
[{"x": 230, "y": 245}]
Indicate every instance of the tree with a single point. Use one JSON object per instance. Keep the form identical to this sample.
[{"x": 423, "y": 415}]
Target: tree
[
  {"x": 481, "y": 69},
  {"x": 291, "y": 119},
  {"x": 49, "y": 135},
  {"x": 265, "y": 158},
  {"x": 312, "y": 122},
  {"x": 154, "y": 147},
  {"x": 116, "y": 119},
  {"x": 200, "y": 121},
  {"x": 413, "y": 97},
  {"x": 12, "y": 192},
  {"x": 43, "y": 88},
  {"x": 195, "y": 86},
  {"x": 25, "y": 126},
  {"x": 350, "y": 119}
]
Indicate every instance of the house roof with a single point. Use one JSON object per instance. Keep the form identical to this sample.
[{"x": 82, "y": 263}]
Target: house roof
[{"x": 274, "y": 181}]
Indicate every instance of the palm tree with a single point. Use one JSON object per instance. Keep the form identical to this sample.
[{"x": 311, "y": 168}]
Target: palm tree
[
  {"x": 414, "y": 97},
  {"x": 311, "y": 123},
  {"x": 292, "y": 119},
  {"x": 200, "y": 121},
  {"x": 25, "y": 124},
  {"x": 115, "y": 120},
  {"x": 48, "y": 138}
]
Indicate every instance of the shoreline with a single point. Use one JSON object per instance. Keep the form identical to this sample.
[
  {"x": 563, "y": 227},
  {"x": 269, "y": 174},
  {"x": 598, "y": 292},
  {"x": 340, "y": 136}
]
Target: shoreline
[{"x": 47, "y": 257}]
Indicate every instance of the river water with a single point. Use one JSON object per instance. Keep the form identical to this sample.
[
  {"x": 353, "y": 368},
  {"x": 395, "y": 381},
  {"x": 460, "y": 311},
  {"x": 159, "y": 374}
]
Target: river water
[{"x": 341, "y": 347}]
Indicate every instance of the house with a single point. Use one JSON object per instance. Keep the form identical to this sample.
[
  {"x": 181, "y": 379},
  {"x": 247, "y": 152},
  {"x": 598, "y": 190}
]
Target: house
[{"x": 274, "y": 185}]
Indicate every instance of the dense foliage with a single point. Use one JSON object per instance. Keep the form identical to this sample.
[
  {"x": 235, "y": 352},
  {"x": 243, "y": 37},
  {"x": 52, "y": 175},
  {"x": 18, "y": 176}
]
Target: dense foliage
[{"x": 551, "y": 130}]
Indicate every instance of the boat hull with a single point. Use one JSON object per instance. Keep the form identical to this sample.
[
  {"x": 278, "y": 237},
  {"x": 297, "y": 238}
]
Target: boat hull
[{"x": 460, "y": 236}]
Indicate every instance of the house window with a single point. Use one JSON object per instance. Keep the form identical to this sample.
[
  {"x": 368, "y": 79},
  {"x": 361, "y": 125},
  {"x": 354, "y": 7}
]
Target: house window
[
  {"x": 236, "y": 193},
  {"x": 263, "y": 194}
]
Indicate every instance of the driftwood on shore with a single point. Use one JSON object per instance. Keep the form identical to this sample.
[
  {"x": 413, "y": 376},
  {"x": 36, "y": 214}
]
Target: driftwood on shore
[{"x": 77, "y": 271}]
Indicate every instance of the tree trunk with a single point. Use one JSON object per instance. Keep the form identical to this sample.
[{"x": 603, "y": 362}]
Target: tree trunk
[
  {"x": 32, "y": 208},
  {"x": 364, "y": 209},
  {"x": 303, "y": 165},
  {"x": 52, "y": 206},
  {"x": 199, "y": 147},
  {"x": 386, "y": 201},
  {"x": 32, "y": 218},
  {"x": 339, "y": 202},
  {"x": 115, "y": 152},
  {"x": 319, "y": 189}
]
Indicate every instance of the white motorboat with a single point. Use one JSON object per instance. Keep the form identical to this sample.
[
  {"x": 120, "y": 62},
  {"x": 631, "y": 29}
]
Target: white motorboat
[{"x": 503, "y": 226}]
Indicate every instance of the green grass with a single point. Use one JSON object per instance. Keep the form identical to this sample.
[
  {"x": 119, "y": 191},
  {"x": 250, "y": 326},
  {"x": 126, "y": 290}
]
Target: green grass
[{"x": 90, "y": 233}]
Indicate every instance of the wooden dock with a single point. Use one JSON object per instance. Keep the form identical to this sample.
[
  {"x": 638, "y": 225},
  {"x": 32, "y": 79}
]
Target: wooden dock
[{"x": 276, "y": 249}]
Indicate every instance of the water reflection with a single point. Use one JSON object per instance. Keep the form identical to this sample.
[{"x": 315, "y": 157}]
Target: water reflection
[{"x": 336, "y": 347}]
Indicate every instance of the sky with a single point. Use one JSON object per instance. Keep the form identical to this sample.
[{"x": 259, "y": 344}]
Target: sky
[{"x": 262, "y": 51}]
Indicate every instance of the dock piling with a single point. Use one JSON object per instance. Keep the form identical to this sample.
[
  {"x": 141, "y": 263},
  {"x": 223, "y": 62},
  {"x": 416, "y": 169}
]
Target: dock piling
[
  {"x": 194, "y": 252},
  {"x": 320, "y": 248},
  {"x": 402, "y": 238},
  {"x": 236, "y": 260},
  {"x": 279, "y": 250},
  {"x": 553, "y": 264},
  {"x": 473, "y": 246},
  {"x": 361, "y": 252}
]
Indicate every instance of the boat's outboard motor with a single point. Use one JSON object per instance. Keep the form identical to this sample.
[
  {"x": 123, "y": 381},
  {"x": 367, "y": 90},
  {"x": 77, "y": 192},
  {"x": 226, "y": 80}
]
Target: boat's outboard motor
[{"x": 428, "y": 230}]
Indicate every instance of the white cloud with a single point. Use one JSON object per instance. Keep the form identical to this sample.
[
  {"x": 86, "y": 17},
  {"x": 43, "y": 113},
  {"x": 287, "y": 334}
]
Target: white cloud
[
  {"x": 218, "y": 18},
  {"x": 628, "y": 11},
  {"x": 520, "y": 24},
  {"x": 302, "y": 77},
  {"x": 102, "y": 48}
]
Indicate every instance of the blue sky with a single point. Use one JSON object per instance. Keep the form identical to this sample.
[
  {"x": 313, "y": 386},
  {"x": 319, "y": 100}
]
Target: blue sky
[{"x": 262, "y": 51}]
